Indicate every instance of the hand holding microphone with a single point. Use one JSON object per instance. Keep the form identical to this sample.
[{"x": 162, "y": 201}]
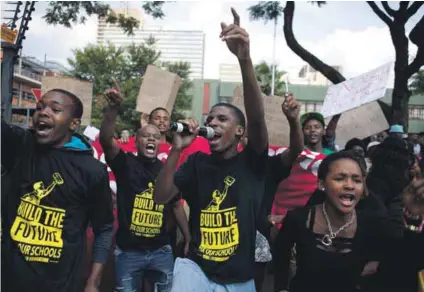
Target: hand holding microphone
[
  {"x": 205, "y": 132},
  {"x": 182, "y": 139}
]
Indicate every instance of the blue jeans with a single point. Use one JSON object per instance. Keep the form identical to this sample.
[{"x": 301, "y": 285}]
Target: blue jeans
[
  {"x": 189, "y": 277},
  {"x": 131, "y": 266}
]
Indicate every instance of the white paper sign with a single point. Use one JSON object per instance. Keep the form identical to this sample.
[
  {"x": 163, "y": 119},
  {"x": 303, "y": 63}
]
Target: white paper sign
[
  {"x": 91, "y": 132},
  {"x": 357, "y": 91}
]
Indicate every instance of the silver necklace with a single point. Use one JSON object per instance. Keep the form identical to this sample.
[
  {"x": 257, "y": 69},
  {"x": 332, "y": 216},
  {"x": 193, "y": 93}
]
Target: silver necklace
[{"x": 327, "y": 239}]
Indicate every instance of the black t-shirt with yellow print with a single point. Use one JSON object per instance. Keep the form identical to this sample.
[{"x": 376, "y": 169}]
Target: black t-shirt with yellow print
[
  {"x": 142, "y": 222},
  {"x": 224, "y": 198},
  {"x": 49, "y": 197}
]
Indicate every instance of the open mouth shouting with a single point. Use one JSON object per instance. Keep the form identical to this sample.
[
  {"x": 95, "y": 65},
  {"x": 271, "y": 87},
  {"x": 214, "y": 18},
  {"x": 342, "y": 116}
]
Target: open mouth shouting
[
  {"x": 151, "y": 148},
  {"x": 347, "y": 200},
  {"x": 215, "y": 139},
  {"x": 43, "y": 129},
  {"x": 313, "y": 137},
  {"x": 162, "y": 127}
]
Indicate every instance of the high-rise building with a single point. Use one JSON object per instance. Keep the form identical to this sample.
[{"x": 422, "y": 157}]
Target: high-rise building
[
  {"x": 230, "y": 73},
  {"x": 174, "y": 45}
]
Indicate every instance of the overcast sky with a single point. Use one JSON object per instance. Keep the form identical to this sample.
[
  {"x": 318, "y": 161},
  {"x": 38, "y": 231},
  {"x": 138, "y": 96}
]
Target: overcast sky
[{"x": 340, "y": 33}]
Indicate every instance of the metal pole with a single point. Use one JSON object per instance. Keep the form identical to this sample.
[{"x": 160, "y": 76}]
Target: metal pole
[
  {"x": 7, "y": 69},
  {"x": 273, "y": 57}
]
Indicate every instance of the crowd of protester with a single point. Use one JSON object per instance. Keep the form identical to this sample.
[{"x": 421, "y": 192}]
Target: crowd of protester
[{"x": 324, "y": 220}]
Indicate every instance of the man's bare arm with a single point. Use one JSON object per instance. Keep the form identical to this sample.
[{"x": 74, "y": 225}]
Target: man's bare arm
[
  {"x": 291, "y": 109},
  {"x": 107, "y": 129},
  {"x": 165, "y": 189},
  {"x": 237, "y": 40}
]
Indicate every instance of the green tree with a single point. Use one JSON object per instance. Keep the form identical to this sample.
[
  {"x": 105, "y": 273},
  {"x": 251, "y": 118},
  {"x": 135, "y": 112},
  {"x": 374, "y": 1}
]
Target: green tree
[
  {"x": 264, "y": 76},
  {"x": 417, "y": 84},
  {"x": 100, "y": 63},
  {"x": 67, "y": 13},
  {"x": 184, "y": 99},
  {"x": 268, "y": 11}
]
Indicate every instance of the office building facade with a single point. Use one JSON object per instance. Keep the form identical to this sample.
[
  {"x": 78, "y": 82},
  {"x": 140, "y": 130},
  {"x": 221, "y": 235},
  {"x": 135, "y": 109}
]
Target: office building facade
[{"x": 174, "y": 45}]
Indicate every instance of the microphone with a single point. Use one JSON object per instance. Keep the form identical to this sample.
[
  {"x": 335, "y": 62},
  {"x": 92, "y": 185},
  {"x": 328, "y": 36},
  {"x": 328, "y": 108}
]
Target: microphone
[{"x": 205, "y": 132}]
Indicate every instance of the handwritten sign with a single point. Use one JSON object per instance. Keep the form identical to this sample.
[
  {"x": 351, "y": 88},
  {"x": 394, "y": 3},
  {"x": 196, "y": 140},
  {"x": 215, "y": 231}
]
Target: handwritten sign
[
  {"x": 357, "y": 91},
  {"x": 361, "y": 122},
  {"x": 82, "y": 89},
  {"x": 276, "y": 122},
  {"x": 159, "y": 89}
]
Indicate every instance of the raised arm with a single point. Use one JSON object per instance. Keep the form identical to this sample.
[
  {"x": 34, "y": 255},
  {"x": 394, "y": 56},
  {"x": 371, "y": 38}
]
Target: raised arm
[
  {"x": 107, "y": 129},
  {"x": 330, "y": 132},
  {"x": 237, "y": 40},
  {"x": 165, "y": 188},
  {"x": 291, "y": 109}
]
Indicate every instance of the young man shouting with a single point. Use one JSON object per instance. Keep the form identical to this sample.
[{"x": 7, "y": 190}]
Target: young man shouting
[
  {"x": 142, "y": 241},
  {"x": 223, "y": 189},
  {"x": 53, "y": 189}
]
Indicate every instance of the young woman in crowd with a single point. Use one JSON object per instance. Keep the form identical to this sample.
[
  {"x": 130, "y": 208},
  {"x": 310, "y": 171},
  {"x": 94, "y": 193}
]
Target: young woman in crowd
[{"x": 332, "y": 241}]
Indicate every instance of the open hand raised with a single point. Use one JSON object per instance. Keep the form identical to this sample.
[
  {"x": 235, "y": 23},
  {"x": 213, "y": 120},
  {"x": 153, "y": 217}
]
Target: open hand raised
[
  {"x": 290, "y": 107},
  {"x": 113, "y": 95},
  {"x": 237, "y": 38}
]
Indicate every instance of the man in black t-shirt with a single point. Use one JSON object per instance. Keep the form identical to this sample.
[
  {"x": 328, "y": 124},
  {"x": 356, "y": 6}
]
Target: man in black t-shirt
[
  {"x": 142, "y": 242},
  {"x": 53, "y": 189},
  {"x": 223, "y": 189}
]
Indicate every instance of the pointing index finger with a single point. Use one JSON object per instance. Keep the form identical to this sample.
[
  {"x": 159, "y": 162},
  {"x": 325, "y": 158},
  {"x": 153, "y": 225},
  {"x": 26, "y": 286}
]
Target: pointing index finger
[
  {"x": 116, "y": 84},
  {"x": 236, "y": 16}
]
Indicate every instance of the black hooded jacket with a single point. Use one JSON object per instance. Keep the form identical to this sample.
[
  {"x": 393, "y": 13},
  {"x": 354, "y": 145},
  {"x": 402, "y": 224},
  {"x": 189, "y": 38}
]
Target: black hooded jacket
[{"x": 49, "y": 197}]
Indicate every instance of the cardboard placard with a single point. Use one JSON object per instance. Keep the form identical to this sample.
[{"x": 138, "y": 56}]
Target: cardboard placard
[
  {"x": 276, "y": 122},
  {"x": 361, "y": 122},
  {"x": 158, "y": 89},
  {"x": 82, "y": 89}
]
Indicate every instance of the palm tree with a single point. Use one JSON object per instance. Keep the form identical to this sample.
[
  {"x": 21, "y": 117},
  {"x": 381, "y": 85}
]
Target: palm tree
[
  {"x": 264, "y": 75},
  {"x": 268, "y": 11},
  {"x": 417, "y": 84}
]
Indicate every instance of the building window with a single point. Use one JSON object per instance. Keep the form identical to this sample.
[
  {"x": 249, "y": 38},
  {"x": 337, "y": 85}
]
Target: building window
[
  {"x": 416, "y": 113},
  {"x": 15, "y": 92},
  {"x": 28, "y": 96}
]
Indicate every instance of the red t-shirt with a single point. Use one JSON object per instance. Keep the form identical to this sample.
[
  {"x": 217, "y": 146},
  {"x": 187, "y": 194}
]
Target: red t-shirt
[{"x": 296, "y": 190}]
